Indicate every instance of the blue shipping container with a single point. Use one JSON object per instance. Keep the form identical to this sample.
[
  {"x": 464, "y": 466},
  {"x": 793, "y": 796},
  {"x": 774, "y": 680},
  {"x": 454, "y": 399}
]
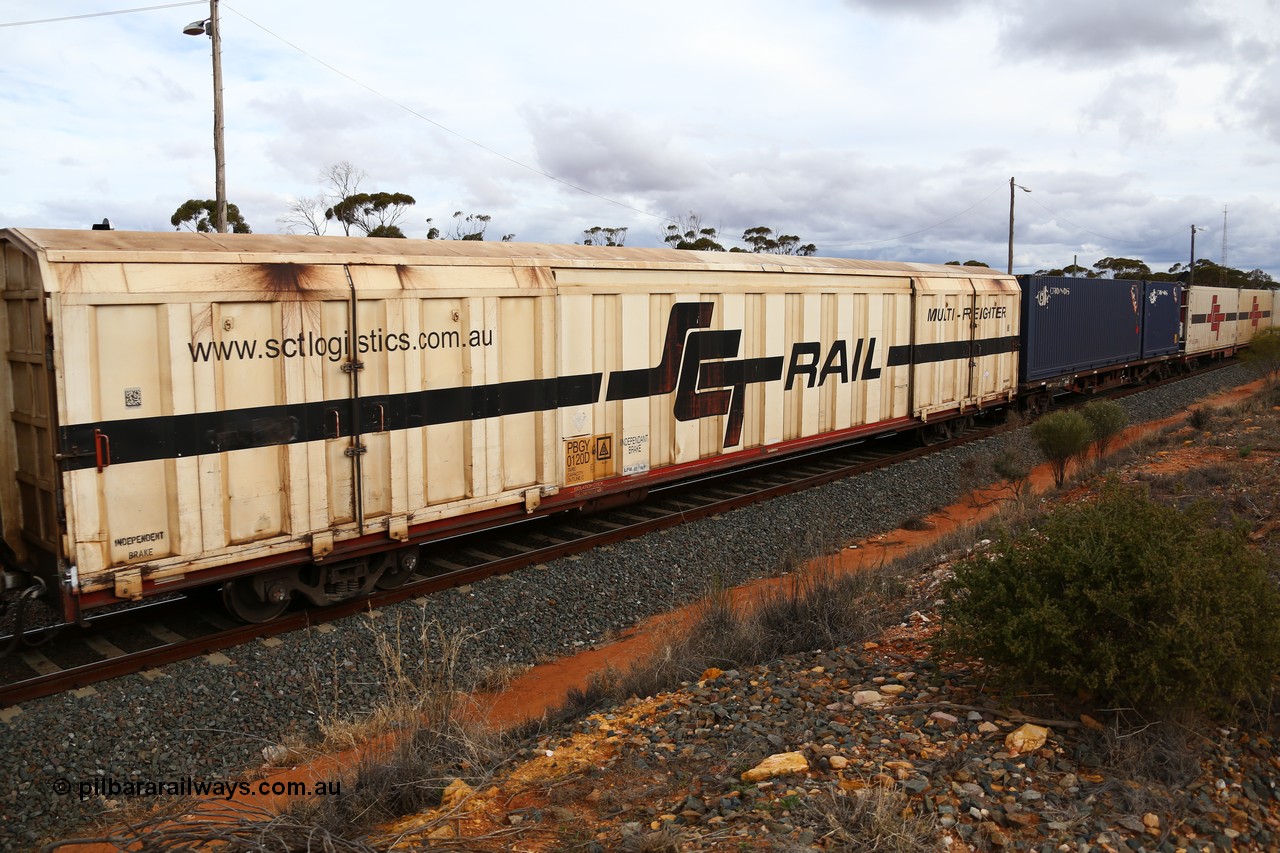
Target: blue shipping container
[
  {"x": 1070, "y": 325},
  {"x": 1161, "y": 318}
]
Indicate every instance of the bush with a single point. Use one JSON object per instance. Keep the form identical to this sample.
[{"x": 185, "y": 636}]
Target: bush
[
  {"x": 1201, "y": 418},
  {"x": 1107, "y": 419},
  {"x": 1263, "y": 355},
  {"x": 1011, "y": 466},
  {"x": 817, "y": 606},
  {"x": 1125, "y": 600},
  {"x": 1061, "y": 437}
]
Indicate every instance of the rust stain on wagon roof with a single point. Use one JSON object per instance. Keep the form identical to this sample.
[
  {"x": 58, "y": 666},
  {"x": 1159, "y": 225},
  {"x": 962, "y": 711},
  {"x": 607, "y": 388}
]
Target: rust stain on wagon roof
[{"x": 281, "y": 282}]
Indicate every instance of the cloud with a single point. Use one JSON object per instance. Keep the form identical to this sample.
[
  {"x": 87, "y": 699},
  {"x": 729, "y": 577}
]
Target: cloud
[
  {"x": 930, "y": 9},
  {"x": 1087, "y": 31},
  {"x": 1135, "y": 104},
  {"x": 1084, "y": 31},
  {"x": 1257, "y": 96},
  {"x": 611, "y": 151}
]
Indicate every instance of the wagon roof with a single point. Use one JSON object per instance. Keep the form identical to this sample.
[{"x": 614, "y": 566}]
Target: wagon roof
[{"x": 67, "y": 246}]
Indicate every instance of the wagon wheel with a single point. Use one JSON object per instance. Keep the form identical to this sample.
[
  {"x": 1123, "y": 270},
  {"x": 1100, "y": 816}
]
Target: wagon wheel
[
  {"x": 400, "y": 567},
  {"x": 245, "y": 602},
  {"x": 1037, "y": 404},
  {"x": 932, "y": 433},
  {"x": 957, "y": 426}
]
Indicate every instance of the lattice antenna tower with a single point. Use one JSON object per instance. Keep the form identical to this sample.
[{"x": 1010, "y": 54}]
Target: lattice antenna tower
[{"x": 1222, "y": 275}]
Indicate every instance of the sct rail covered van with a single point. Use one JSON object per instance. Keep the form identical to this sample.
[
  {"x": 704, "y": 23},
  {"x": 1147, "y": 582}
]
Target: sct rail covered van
[{"x": 293, "y": 416}]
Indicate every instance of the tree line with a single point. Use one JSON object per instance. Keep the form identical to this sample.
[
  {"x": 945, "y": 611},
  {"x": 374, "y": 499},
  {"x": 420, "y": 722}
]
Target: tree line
[
  {"x": 342, "y": 202},
  {"x": 1206, "y": 272}
]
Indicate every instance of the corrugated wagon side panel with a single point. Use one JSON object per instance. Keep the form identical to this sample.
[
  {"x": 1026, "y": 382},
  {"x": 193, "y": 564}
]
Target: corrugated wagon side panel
[
  {"x": 454, "y": 390},
  {"x": 1073, "y": 325},
  {"x": 195, "y": 405},
  {"x": 448, "y": 467},
  {"x": 804, "y": 323},
  {"x": 772, "y": 340},
  {"x": 1252, "y": 314},
  {"x": 1209, "y": 318},
  {"x": 731, "y": 310},
  {"x": 635, "y": 456},
  {"x": 733, "y": 362},
  {"x": 28, "y": 502},
  {"x": 995, "y": 370},
  {"x": 1161, "y": 318},
  {"x": 940, "y": 367}
]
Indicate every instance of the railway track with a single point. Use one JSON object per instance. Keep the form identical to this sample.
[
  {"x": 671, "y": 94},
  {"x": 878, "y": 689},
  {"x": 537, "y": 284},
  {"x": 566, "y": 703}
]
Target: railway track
[
  {"x": 143, "y": 638},
  {"x": 66, "y": 658}
]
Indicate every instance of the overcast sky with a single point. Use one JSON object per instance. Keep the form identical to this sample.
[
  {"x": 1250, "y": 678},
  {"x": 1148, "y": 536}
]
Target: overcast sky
[{"x": 883, "y": 129}]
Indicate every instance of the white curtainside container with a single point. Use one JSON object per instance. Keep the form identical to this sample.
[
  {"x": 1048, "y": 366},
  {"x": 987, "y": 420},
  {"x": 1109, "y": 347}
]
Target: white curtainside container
[
  {"x": 294, "y": 415},
  {"x": 1209, "y": 320},
  {"x": 1253, "y": 314}
]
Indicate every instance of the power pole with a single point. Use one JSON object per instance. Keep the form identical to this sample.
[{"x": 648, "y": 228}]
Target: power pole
[
  {"x": 219, "y": 153},
  {"x": 1012, "y": 187},
  {"x": 1191, "y": 276}
]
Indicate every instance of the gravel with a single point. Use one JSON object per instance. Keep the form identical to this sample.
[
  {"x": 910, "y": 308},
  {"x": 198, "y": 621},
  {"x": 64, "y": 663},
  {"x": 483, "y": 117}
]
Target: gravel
[{"x": 208, "y": 721}]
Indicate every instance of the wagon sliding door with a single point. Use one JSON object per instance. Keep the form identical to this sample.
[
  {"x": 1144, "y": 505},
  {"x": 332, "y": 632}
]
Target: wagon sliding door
[
  {"x": 941, "y": 341},
  {"x": 290, "y": 408},
  {"x": 964, "y": 352},
  {"x": 211, "y": 415},
  {"x": 456, "y": 391}
]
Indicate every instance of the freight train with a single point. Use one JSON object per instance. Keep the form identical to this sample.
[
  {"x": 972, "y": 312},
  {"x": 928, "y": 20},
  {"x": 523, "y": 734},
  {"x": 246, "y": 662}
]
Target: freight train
[{"x": 293, "y": 417}]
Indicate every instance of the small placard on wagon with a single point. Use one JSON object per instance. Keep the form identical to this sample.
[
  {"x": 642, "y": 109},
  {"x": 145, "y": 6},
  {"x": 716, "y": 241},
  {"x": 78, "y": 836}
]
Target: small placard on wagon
[{"x": 587, "y": 458}]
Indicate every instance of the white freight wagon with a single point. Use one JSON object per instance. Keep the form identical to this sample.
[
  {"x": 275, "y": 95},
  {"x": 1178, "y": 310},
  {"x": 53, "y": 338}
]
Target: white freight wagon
[
  {"x": 291, "y": 415},
  {"x": 1254, "y": 314}
]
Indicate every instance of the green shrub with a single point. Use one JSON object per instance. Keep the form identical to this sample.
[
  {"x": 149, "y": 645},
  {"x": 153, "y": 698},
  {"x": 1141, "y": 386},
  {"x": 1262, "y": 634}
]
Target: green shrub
[
  {"x": 1201, "y": 418},
  {"x": 1125, "y": 600},
  {"x": 1107, "y": 419},
  {"x": 1061, "y": 437},
  {"x": 1011, "y": 467},
  {"x": 1263, "y": 355}
]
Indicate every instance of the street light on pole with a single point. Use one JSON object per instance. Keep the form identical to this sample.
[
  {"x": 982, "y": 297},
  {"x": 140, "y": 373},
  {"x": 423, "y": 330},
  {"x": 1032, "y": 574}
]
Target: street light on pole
[
  {"x": 1191, "y": 277},
  {"x": 1012, "y": 187},
  {"x": 210, "y": 27}
]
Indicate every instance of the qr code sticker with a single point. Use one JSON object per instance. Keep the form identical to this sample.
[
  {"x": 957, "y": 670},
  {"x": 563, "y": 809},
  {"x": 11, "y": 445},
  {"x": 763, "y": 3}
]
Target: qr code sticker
[{"x": 133, "y": 398}]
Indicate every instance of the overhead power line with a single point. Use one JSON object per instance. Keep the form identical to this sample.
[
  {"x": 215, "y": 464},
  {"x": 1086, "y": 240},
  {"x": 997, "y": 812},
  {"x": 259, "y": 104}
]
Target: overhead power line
[
  {"x": 103, "y": 14},
  {"x": 922, "y": 230},
  {"x": 446, "y": 129},
  {"x": 1057, "y": 215}
]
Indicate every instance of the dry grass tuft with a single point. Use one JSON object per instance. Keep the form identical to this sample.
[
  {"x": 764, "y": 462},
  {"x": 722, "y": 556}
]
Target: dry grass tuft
[
  {"x": 228, "y": 831},
  {"x": 428, "y": 733},
  {"x": 816, "y": 606},
  {"x": 872, "y": 819}
]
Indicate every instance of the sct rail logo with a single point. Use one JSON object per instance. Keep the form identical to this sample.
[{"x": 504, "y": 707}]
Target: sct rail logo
[{"x": 696, "y": 365}]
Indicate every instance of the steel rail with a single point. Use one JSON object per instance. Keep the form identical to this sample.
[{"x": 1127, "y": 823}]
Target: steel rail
[{"x": 686, "y": 501}]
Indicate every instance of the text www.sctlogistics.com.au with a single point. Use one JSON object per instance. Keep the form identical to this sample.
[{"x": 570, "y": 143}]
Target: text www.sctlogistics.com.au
[
  {"x": 336, "y": 347},
  {"x": 186, "y": 786}
]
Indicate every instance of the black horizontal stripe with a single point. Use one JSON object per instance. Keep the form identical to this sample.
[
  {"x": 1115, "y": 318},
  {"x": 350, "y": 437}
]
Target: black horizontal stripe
[
  {"x": 727, "y": 374},
  {"x": 1197, "y": 319},
  {"x": 949, "y": 350},
  {"x": 177, "y": 436}
]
